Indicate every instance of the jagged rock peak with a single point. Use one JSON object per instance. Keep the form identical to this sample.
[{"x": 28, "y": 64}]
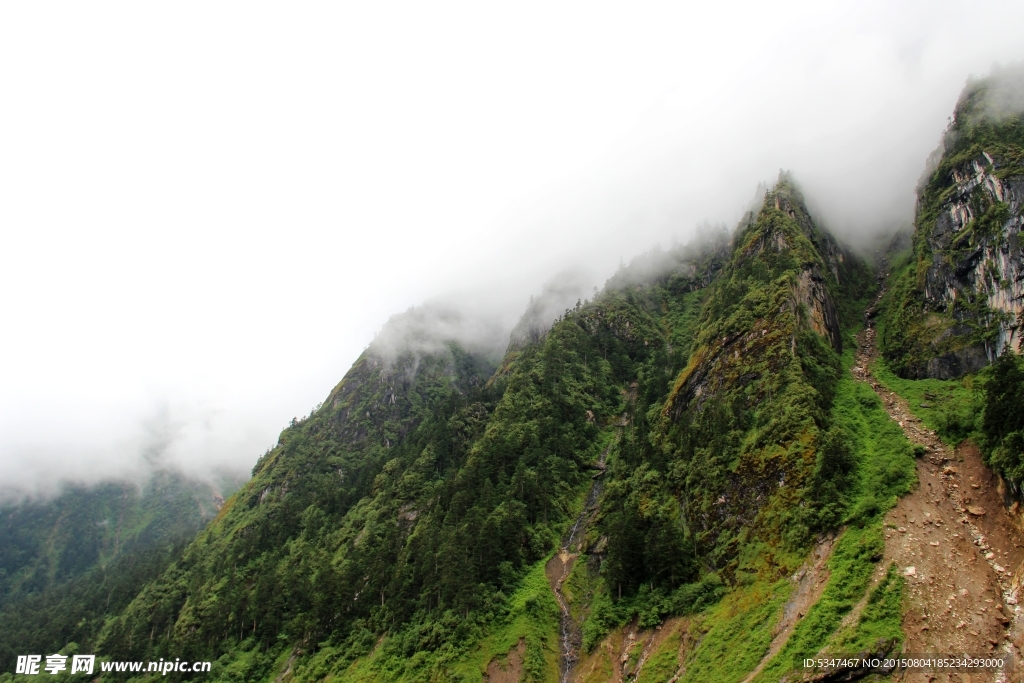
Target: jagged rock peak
[
  {"x": 961, "y": 306},
  {"x": 825, "y": 254},
  {"x": 782, "y": 279}
]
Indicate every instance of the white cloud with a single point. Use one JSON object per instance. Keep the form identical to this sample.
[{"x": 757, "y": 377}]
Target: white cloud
[{"x": 214, "y": 207}]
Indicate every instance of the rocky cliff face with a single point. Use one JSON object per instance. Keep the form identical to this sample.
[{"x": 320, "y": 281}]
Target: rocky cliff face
[
  {"x": 957, "y": 304},
  {"x": 976, "y": 274}
]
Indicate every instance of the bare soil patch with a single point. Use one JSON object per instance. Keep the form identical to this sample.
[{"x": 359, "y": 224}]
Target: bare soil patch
[
  {"x": 511, "y": 669},
  {"x": 955, "y": 544},
  {"x": 614, "y": 660},
  {"x": 602, "y": 664}
]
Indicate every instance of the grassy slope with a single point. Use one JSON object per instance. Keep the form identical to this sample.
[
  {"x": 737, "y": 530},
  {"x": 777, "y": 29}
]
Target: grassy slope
[
  {"x": 532, "y": 616},
  {"x": 949, "y": 407}
]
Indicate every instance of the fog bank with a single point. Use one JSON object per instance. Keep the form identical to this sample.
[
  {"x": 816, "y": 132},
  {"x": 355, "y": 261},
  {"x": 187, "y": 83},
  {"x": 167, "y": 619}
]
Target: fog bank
[{"x": 209, "y": 211}]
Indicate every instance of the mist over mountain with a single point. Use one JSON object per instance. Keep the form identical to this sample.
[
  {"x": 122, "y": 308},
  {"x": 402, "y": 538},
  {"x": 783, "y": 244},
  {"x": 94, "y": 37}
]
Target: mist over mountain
[
  {"x": 471, "y": 344},
  {"x": 294, "y": 187},
  {"x": 704, "y": 470}
]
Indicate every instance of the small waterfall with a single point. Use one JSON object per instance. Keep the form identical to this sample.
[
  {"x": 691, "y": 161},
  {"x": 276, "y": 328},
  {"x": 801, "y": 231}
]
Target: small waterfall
[{"x": 572, "y": 638}]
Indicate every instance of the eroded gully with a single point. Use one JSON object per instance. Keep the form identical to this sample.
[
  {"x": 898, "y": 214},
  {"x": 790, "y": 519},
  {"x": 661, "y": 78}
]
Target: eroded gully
[{"x": 560, "y": 566}]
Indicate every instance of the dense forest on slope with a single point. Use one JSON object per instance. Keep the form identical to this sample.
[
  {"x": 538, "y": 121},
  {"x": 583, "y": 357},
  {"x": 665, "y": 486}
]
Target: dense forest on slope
[
  {"x": 69, "y": 562},
  {"x": 1002, "y": 422},
  {"x": 405, "y": 517},
  {"x": 413, "y": 501}
]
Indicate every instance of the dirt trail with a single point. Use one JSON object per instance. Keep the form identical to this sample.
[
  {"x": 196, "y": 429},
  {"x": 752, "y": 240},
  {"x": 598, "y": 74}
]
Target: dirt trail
[
  {"x": 955, "y": 545},
  {"x": 510, "y": 671}
]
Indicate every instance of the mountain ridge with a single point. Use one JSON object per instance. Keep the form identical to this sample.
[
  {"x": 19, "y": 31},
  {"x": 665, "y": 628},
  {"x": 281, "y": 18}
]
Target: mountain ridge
[
  {"x": 956, "y": 301},
  {"x": 672, "y": 455},
  {"x": 418, "y": 458}
]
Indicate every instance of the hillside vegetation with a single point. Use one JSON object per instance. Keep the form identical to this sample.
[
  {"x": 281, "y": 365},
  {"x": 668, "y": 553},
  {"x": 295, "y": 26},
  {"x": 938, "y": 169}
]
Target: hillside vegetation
[{"x": 69, "y": 562}]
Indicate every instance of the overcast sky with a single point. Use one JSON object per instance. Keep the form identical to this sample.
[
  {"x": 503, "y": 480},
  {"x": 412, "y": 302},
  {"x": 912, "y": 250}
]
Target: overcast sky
[{"x": 208, "y": 209}]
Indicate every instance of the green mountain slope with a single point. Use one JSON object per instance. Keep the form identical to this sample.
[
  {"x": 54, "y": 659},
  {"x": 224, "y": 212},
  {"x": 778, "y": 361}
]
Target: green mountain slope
[
  {"x": 955, "y": 301},
  {"x": 66, "y": 563},
  {"x": 417, "y": 496},
  {"x": 745, "y": 420},
  {"x": 679, "y": 480},
  {"x": 398, "y": 531}
]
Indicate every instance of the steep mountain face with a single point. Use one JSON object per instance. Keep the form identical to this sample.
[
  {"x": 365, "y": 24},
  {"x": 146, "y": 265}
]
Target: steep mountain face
[
  {"x": 67, "y": 562},
  {"x": 692, "y": 477},
  {"x": 416, "y": 498},
  {"x": 676, "y": 431},
  {"x": 327, "y": 539},
  {"x": 746, "y": 418},
  {"x": 959, "y": 300}
]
